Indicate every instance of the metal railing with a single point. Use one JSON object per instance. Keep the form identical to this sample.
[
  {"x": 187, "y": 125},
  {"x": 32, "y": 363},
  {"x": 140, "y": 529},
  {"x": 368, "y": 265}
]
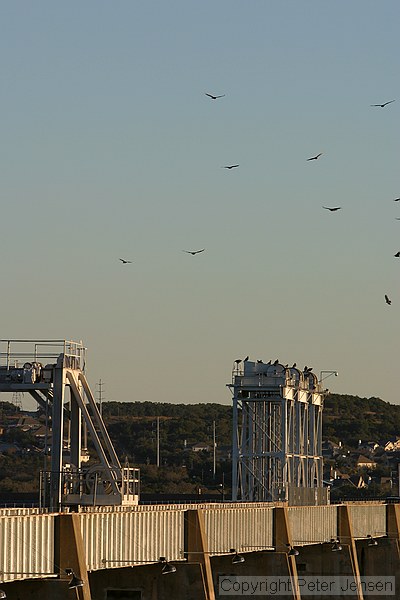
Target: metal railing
[{"x": 15, "y": 353}]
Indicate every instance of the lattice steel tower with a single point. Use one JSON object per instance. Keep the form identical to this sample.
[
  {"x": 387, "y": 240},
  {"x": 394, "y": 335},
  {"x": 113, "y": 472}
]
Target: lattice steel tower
[{"x": 277, "y": 434}]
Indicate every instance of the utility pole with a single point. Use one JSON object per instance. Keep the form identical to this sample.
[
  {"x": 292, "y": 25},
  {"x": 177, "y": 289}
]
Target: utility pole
[
  {"x": 214, "y": 452},
  {"x": 158, "y": 441},
  {"x": 100, "y": 396}
]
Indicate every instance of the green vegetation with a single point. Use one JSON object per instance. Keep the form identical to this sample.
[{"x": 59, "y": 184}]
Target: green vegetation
[
  {"x": 349, "y": 419},
  {"x": 133, "y": 429}
]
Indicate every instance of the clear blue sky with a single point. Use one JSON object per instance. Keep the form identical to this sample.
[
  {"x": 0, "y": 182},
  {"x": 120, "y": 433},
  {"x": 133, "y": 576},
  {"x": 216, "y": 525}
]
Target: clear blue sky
[{"x": 110, "y": 148}]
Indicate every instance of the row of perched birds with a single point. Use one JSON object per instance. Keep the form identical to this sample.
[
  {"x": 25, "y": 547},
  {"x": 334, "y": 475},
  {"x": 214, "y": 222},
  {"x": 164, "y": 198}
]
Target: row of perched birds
[{"x": 276, "y": 362}]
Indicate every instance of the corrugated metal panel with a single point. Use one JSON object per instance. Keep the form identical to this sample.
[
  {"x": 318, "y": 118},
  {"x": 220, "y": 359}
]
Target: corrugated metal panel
[
  {"x": 368, "y": 520},
  {"x": 312, "y": 524},
  {"x": 26, "y": 546},
  {"x": 240, "y": 528},
  {"x": 120, "y": 538}
]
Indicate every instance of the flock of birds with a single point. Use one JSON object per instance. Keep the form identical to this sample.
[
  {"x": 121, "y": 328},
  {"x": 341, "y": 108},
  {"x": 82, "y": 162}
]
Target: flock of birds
[
  {"x": 330, "y": 208},
  {"x": 275, "y": 363}
]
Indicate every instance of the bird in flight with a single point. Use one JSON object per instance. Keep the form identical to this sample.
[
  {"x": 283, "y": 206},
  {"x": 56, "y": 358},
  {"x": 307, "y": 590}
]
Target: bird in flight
[
  {"x": 315, "y": 157},
  {"x": 384, "y": 104},
  {"x": 396, "y": 200},
  {"x": 125, "y": 262},
  {"x": 193, "y": 252},
  {"x": 333, "y": 208},
  {"x": 215, "y": 97},
  {"x": 397, "y": 255},
  {"x": 230, "y": 167},
  {"x": 387, "y": 300}
]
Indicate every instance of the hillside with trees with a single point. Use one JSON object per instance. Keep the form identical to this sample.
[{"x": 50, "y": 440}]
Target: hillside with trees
[{"x": 185, "y": 434}]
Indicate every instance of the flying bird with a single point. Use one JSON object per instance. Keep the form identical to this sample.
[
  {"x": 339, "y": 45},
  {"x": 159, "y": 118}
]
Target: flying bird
[
  {"x": 193, "y": 252},
  {"x": 333, "y": 208},
  {"x": 396, "y": 200},
  {"x": 397, "y": 255},
  {"x": 315, "y": 157},
  {"x": 384, "y": 104},
  {"x": 387, "y": 300},
  {"x": 215, "y": 97},
  {"x": 230, "y": 167},
  {"x": 125, "y": 262}
]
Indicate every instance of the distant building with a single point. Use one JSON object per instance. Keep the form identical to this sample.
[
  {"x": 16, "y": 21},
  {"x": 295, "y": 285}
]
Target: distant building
[
  {"x": 365, "y": 463},
  {"x": 392, "y": 445},
  {"x": 200, "y": 447}
]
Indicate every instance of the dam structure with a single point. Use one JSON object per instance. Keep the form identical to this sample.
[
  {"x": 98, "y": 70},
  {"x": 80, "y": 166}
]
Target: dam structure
[
  {"x": 277, "y": 434},
  {"x": 90, "y": 538}
]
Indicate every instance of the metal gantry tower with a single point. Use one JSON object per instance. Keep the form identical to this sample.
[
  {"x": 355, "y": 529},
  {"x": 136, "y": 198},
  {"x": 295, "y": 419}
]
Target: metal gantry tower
[
  {"x": 53, "y": 373},
  {"x": 277, "y": 434}
]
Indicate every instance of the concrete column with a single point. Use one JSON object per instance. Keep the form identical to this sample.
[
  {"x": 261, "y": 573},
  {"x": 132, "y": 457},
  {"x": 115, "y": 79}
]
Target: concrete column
[
  {"x": 69, "y": 551},
  {"x": 283, "y": 542},
  {"x": 197, "y": 548},
  {"x": 393, "y": 521},
  {"x": 345, "y": 533},
  {"x": 57, "y": 426}
]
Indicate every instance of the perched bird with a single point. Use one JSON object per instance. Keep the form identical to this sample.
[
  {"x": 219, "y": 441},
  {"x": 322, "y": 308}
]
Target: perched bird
[
  {"x": 332, "y": 209},
  {"x": 293, "y": 365},
  {"x": 238, "y": 361},
  {"x": 269, "y": 362},
  {"x": 125, "y": 262},
  {"x": 276, "y": 362},
  {"x": 387, "y": 300},
  {"x": 384, "y": 104},
  {"x": 230, "y": 167},
  {"x": 397, "y": 255},
  {"x": 315, "y": 157},
  {"x": 260, "y": 362},
  {"x": 193, "y": 252},
  {"x": 215, "y": 97},
  {"x": 246, "y": 359}
]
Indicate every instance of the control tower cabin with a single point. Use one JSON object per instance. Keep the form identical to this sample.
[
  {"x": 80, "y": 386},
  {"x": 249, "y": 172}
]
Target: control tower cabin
[
  {"x": 277, "y": 434},
  {"x": 53, "y": 373}
]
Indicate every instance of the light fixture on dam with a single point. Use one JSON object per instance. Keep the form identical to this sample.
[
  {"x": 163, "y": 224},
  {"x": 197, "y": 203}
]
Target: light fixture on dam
[
  {"x": 336, "y": 546},
  {"x": 371, "y": 541},
  {"x": 292, "y": 551},
  {"x": 167, "y": 567},
  {"x": 238, "y": 558},
  {"x": 75, "y": 581}
]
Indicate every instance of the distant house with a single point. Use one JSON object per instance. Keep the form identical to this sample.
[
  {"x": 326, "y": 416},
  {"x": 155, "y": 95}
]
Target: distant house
[
  {"x": 365, "y": 463},
  {"x": 358, "y": 481},
  {"x": 392, "y": 445},
  {"x": 369, "y": 447},
  {"x": 200, "y": 447},
  {"x": 330, "y": 449}
]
